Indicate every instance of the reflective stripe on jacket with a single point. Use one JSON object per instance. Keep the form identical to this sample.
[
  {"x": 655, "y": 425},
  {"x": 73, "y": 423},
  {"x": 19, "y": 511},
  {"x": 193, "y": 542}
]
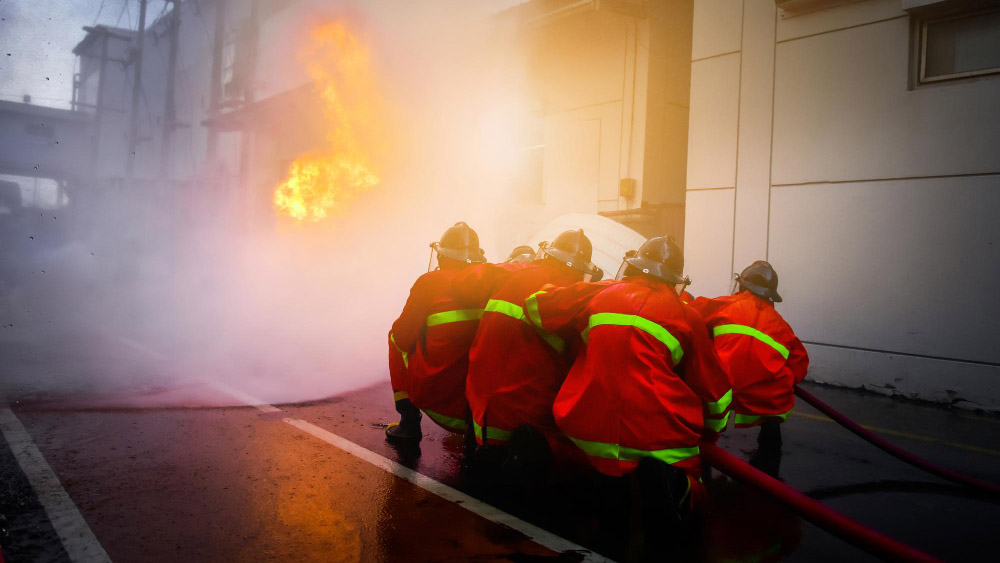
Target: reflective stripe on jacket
[
  {"x": 514, "y": 369},
  {"x": 645, "y": 384},
  {"x": 759, "y": 351},
  {"x": 432, "y": 336}
]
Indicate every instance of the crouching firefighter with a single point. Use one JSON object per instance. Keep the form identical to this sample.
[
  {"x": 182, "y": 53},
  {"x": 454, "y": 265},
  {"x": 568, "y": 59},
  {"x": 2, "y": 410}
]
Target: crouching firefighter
[
  {"x": 646, "y": 385},
  {"x": 514, "y": 368},
  {"x": 761, "y": 354},
  {"x": 429, "y": 342}
]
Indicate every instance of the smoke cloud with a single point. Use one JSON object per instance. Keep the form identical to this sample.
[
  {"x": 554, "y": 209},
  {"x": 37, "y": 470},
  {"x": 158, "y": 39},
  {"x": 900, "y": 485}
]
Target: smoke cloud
[{"x": 137, "y": 302}]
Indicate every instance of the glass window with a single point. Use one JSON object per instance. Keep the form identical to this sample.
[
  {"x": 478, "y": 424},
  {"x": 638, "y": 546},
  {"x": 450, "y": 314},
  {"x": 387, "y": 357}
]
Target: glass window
[{"x": 960, "y": 47}]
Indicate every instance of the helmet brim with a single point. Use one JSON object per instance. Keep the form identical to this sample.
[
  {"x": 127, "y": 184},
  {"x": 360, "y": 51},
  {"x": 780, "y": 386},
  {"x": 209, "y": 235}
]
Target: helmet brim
[
  {"x": 761, "y": 291},
  {"x": 655, "y": 269},
  {"x": 466, "y": 255},
  {"x": 568, "y": 259}
]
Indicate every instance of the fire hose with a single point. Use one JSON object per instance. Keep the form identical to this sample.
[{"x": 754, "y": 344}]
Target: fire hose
[
  {"x": 885, "y": 446},
  {"x": 814, "y": 511}
]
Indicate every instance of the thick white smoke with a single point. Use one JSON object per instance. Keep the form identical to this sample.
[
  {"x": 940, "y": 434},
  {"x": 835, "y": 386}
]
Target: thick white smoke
[{"x": 131, "y": 315}]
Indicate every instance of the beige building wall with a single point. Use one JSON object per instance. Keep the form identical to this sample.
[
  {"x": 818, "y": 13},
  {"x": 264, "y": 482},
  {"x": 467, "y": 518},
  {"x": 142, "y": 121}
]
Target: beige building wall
[
  {"x": 608, "y": 84},
  {"x": 875, "y": 201},
  {"x": 590, "y": 73}
]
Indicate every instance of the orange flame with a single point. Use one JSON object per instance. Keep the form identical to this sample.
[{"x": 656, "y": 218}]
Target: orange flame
[{"x": 320, "y": 181}]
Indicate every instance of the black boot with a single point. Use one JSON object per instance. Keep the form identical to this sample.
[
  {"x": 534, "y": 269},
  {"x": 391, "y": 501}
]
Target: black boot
[
  {"x": 614, "y": 496},
  {"x": 666, "y": 499},
  {"x": 470, "y": 444},
  {"x": 407, "y": 431},
  {"x": 768, "y": 455},
  {"x": 529, "y": 457}
]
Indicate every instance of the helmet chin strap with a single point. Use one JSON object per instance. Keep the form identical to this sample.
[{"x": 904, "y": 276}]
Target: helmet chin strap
[
  {"x": 432, "y": 263},
  {"x": 684, "y": 285}
]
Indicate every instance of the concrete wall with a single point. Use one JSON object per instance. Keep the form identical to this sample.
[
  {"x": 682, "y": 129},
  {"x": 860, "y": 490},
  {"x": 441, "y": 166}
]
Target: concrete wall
[
  {"x": 589, "y": 77},
  {"x": 874, "y": 201},
  {"x": 611, "y": 89}
]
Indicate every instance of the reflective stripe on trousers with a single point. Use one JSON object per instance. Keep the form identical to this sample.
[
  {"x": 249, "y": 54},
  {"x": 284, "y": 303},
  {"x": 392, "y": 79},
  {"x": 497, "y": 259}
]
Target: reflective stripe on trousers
[
  {"x": 492, "y": 433},
  {"x": 614, "y": 451},
  {"x": 751, "y": 419},
  {"x": 456, "y": 424},
  {"x": 406, "y": 359}
]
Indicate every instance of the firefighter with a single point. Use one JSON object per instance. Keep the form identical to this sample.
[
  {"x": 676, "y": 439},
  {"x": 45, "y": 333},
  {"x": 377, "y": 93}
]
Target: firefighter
[
  {"x": 645, "y": 386},
  {"x": 429, "y": 342},
  {"x": 515, "y": 369},
  {"x": 521, "y": 255},
  {"x": 761, "y": 354}
]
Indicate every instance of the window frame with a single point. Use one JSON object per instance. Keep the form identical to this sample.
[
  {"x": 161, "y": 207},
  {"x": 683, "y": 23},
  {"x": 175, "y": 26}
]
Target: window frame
[{"x": 922, "y": 22}]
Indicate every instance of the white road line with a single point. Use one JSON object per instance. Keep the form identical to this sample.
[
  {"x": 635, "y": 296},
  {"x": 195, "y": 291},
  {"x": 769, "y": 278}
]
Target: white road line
[
  {"x": 73, "y": 531},
  {"x": 476, "y": 506},
  {"x": 243, "y": 397}
]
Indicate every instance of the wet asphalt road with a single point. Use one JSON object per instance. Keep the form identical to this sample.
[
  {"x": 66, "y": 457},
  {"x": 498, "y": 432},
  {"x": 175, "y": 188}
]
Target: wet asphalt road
[{"x": 238, "y": 484}]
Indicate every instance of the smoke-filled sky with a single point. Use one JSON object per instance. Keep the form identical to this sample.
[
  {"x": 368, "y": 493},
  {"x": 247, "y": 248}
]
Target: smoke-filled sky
[
  {"x": 116, "y": 296},
  {"x": 37, "y": 39}
]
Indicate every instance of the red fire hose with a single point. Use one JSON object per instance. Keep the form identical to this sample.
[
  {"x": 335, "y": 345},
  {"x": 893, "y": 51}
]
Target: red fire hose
[
  {"x": 877, "y": 441},
  {"x": 816, "y": 512}
]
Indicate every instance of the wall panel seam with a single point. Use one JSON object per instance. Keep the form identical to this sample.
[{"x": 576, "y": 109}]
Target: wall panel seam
[
  {"x": 719, "y": 55},
  {"x": 739, "y": 111},
  {"x": 907, "y": 354},
  {"x": 817, "y": 34},
  {"x": 770, "y": 153},
  {"x": 888, "y": 179}
]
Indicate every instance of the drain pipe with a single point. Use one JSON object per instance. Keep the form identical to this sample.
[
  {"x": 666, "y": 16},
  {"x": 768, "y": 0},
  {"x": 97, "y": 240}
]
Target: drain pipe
[
  {"x": 873, "y": 542},
  {"x": 879, "y": 442}
]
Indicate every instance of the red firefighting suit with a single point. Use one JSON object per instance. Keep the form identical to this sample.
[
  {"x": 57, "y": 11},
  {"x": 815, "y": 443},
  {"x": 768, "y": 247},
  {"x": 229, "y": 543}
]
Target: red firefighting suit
[
  {"x": 686, "y": 298},
  {"x": 759, "y": 351},
  {"x": 514, "y": 368},
  {"x": 429, "y": 349},
  {"x": 645, "y": 384}
]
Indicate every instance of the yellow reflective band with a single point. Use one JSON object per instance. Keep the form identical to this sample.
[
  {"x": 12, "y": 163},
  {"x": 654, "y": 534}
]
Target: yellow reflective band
[
  {"x": 492, "y": 433},
  {"x": 505, "y": 308},
  {"x": 750, "y": 331},
  {"x": 717, "y": 424},
  {"x": 720, "y": 406},
  {"x": 400, "y": 395},
  {"x": 748, "y": 419},
  {"x": 456, "y": 424},
  {"x": 614, "y": 451},
  {"x": 531, "y": 308},
  {"x": 406, "y": 359},
  {"x": 645, "y": 325},
  {"x": 512, "y": 310},
  {"x": 455, "y": 316}
]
